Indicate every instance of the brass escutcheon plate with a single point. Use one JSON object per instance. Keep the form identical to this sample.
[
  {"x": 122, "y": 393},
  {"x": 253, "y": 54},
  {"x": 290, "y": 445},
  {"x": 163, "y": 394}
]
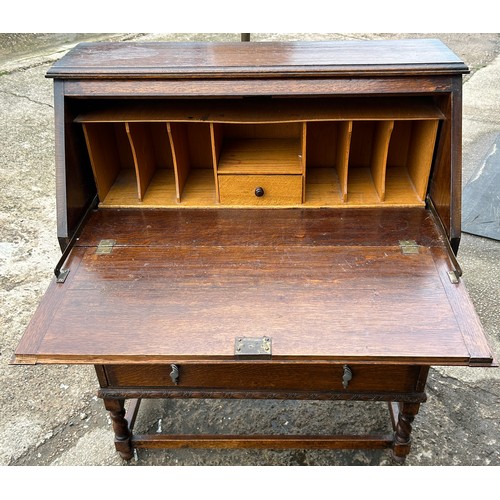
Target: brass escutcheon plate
[{"x": 253, "y": 346}]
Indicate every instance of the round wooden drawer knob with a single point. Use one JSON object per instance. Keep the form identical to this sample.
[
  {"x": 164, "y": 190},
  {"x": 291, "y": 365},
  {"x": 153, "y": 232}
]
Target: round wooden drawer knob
[{"x": 259, "y": 192}]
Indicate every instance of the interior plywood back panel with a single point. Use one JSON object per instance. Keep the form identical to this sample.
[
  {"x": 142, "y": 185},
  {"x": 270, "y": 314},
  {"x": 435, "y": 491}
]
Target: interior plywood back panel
[
  {"x": 420, "y": 154},
  {"x": 200, "y": 145},
  {"x": 321, "y": 144},
  {"x": 161, "y": 144},
  {"x": 361, "y": 144}
]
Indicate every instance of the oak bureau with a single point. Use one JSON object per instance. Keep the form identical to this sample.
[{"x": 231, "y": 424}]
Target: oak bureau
[{"x": 271, "y": 220}]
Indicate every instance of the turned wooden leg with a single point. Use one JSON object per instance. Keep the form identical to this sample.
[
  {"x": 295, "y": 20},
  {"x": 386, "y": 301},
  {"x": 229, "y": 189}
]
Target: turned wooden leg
[
  {"x": 116, "y": 408},
  {"x": 402, "y": 434}
]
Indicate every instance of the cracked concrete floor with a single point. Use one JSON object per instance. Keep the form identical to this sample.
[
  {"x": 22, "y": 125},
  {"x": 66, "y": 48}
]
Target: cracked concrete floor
[{"x": 50, "y": 415}]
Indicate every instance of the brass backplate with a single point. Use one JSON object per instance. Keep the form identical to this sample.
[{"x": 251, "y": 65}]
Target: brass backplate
[{"x": 253, "y": 347}]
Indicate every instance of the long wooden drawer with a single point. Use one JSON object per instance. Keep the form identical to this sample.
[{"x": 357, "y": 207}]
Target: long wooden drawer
[
  {"x": 264, "y": 376},
  {"x": 260, "y": 190}
]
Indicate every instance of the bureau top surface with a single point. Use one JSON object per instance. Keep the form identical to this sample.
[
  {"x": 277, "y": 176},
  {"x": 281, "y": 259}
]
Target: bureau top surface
[{"x": 256, "y": 59}]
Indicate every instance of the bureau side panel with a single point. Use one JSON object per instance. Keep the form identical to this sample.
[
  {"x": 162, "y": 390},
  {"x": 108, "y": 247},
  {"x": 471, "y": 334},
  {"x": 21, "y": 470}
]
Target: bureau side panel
[
  {"x": 75, "y": 187},
  {"x": 446, "y": 181}
]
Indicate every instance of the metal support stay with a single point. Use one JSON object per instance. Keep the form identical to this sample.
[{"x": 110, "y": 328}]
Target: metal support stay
[{"x": 62, "y": 274}]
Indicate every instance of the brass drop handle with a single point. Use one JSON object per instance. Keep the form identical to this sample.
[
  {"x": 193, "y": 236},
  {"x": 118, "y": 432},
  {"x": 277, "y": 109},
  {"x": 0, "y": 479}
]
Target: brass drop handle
[
  {"x": 174, "y": 374},
  {"x": 259, "y": 191},
  {"x": 346, "y": 377}
]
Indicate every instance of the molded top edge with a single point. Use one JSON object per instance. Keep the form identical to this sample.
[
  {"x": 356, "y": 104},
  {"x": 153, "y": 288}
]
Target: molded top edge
[{"x": 256, "y": 59}]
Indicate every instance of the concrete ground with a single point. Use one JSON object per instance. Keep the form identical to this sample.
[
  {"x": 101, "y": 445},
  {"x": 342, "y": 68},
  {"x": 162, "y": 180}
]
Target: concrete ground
[{"x": 49, "y": 415}]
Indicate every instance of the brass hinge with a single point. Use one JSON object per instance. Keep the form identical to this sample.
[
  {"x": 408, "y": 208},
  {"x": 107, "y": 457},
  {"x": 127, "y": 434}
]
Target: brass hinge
[
  {"x": 408, "y": 247},
  {"x": 456, "y": 273},
  {"x": 105, "y": 247}
]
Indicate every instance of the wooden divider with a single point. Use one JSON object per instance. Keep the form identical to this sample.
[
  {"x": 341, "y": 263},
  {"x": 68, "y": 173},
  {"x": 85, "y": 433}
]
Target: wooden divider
[
  {"x": 378, "y": 163},
  {"x": 303, "y": 158},
  {"x": 342, "y": 155},
  {"x": 143, "y": 150},
  {"x": 177, "y": 134},
  {"x": 216, "y": 140}
]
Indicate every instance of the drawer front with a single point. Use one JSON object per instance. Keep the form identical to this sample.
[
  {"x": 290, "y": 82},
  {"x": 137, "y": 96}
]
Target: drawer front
[
  {"x": 260, "y": 190},
  {"x": 267, "y": 376}
]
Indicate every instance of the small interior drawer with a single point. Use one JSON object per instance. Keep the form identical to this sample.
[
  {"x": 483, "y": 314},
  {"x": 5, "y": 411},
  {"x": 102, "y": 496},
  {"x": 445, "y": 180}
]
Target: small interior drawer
[
  {"x": 260, "y": 189},
  {"x": 265, "y": 376}
]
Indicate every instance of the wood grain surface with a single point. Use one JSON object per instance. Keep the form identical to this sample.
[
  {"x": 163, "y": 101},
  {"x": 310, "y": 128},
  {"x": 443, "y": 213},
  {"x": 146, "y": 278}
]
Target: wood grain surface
[
  {"x": 320, "y": 292},
  {"x": 263, "y": 59}
]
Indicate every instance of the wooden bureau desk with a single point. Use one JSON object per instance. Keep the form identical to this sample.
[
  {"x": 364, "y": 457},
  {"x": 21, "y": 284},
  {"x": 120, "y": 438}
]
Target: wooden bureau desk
[{"x": 264, "y": 220}]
